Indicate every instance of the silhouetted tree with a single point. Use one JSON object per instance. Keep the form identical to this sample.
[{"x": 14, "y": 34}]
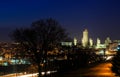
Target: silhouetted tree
[
  {"x": 43, "y": 36},
  {"x": 116, "y": 63}
]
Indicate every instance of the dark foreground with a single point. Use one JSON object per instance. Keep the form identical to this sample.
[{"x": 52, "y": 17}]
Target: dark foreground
[{"x": 100, "y": 70}]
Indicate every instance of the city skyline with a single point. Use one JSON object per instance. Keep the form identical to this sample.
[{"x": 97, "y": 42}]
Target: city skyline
[{"x": 100, "y": 17}]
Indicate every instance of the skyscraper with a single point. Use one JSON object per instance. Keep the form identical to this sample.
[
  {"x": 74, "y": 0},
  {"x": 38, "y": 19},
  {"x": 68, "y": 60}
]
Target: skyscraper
[
  {"x": 85, "y": 38},
  {"x": 75, "y": 41},
  {"x": 91, "y": 42}
]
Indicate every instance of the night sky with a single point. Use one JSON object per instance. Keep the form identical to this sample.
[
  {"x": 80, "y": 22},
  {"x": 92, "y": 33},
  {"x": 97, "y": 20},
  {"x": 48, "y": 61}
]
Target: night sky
[{"x": 100, "y": 17}]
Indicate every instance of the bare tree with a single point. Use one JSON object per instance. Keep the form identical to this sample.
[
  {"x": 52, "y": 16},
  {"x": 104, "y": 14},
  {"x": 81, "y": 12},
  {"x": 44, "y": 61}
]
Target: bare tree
[{"x": 42, "y": 36}]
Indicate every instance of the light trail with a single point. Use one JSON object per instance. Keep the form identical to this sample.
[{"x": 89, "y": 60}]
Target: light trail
[{"x": 29, "y": 75}]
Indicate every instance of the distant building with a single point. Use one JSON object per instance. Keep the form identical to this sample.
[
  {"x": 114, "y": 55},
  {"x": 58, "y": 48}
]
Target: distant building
[
  {"x": 66, "y": 43},
  {"x": 99, "y": 45},
  {"x": 85, "y": 38},
  {"x": 107, "y": 41},
  {"x": 113, "y": 46},
  {"x": 98, "y": 42},
  {"x": 117, "y": 41},
  {"x": 91, "y": 42},
  {"x": 75, "y": 41}
]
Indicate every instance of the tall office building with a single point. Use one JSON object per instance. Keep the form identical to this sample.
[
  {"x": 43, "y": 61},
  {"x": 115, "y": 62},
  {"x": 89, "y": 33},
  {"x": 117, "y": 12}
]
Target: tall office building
[
  {"x": 75, "y": 41},
  {"x": 85, "y": 38},
  {"x": 91, "y": 42}
]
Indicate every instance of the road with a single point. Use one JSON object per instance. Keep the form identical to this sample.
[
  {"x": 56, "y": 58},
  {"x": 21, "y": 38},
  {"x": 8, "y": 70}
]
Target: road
[
  {"x": 20, "y": 75},
  {"x": 100, "y": 70}
]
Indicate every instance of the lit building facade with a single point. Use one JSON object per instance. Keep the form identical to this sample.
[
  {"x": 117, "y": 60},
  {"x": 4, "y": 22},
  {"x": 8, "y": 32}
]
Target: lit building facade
[
  {"x": 85, "y": 38},
  {"x": 107, "y": 41},
  {"x": 98, "y": 42},
  {"x": 91, "y": 42},
  {"x": 75, "y": 41},
  {"x": 99, "y": 45}
]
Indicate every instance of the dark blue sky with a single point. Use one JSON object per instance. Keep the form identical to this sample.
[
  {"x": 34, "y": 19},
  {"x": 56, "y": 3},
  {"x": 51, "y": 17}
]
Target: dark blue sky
[{"x": 100, "y": 17}]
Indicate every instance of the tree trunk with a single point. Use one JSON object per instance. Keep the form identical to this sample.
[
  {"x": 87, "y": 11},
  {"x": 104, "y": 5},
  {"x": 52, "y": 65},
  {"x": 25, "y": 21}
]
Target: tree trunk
[{"x": 39, "y": 70}]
